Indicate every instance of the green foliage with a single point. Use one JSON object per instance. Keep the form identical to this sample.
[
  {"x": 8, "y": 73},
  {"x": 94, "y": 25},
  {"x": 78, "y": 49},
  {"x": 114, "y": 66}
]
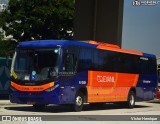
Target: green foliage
[
  {"x": 1, "y": 35},
  {"x": 6, "y": 46},
  {"x": 38, "y": 19}
]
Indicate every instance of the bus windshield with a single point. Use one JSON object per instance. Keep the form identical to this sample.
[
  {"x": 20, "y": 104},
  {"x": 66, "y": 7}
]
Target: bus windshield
[{"x": 35, "y": 64}]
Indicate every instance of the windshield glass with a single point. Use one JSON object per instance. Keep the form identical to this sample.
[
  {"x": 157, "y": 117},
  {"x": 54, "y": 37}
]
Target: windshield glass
[{"x": 35, "y": 64}]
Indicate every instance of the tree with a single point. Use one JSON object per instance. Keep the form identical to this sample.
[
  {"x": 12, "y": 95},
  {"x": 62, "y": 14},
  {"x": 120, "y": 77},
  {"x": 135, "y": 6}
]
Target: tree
[
  {"x": 1, "y": 35},
  {"x": 6, "y": 45},
  {"x": 38, "y": 19}
]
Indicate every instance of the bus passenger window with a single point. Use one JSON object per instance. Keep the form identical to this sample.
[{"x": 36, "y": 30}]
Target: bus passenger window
[{"x": 85, "y": 60}]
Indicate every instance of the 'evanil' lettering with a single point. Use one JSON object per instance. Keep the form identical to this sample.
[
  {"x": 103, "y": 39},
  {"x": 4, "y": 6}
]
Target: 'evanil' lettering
[{"x": 105, "y": 79}]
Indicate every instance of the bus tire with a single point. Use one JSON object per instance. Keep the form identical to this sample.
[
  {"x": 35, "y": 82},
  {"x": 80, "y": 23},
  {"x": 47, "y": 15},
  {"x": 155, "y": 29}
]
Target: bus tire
[
  {"x": 38, "y": 107},
  {"x": 79, "y": 100},
  {"x": 131, "y": 100}
]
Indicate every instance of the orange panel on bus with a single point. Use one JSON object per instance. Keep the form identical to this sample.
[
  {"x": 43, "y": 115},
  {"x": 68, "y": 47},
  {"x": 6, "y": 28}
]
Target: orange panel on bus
[
  {"x": 32, "y": 88},
  {"x": 109, "y": 86}
]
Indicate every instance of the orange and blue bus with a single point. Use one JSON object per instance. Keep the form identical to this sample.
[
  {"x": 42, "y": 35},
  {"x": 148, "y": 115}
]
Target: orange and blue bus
[{"x": 72, "y": 73}]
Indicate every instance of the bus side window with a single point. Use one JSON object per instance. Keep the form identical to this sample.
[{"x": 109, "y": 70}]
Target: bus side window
[
  {"x": 153, "y": 66},
  {"x": 85, "y": 59},
  {"x": 69, "y": 62},
  {"x": 128, "y": 65},
  {"x": 144, "y": 67}
]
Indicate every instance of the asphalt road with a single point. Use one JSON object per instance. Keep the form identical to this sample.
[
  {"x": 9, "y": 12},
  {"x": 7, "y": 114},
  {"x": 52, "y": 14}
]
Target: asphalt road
[{"x": 89, "y": 114}]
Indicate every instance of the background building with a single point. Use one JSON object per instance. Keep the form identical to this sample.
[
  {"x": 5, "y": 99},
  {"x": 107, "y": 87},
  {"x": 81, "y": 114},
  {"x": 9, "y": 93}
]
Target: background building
[{"x": 99, "y": 20}]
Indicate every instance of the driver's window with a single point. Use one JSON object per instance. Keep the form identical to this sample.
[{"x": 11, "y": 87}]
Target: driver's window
[
  {"x": 69, "y": 62},
  {"x": 70, "y": 59}
]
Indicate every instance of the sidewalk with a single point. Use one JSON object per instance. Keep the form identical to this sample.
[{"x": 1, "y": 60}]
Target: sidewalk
[{"x": 5, "y": 102}]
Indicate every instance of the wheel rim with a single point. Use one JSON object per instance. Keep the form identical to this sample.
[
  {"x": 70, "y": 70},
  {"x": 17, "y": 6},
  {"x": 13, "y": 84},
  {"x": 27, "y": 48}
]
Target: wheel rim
[
  {"x": 79, "y": 101},
  {"x": 131, "y": 100}
]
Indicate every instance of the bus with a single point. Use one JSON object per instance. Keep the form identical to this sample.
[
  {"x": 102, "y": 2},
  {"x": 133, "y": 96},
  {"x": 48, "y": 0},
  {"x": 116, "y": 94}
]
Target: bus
[
  {"x": 68, "y": 72},
  {"x": 4, "y": 75}
]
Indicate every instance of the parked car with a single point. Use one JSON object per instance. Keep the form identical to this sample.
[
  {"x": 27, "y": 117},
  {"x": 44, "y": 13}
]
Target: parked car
[{"x": 158, "y": 91}]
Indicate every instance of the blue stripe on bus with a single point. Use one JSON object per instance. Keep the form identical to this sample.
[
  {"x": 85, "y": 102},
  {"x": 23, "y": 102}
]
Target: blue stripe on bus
[
  {"x": 149, "y": 55},
  {"x": 53, "y": 43}
]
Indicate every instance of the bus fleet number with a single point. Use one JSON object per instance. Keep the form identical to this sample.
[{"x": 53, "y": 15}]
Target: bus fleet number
[{"x": 82, "y": 82}]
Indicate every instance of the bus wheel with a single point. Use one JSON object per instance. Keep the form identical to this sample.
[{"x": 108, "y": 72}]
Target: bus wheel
[
  {"x": 38, "y": 107},
  {"x": 131, "y": 100},
  {"x": 78, "y": 102}
]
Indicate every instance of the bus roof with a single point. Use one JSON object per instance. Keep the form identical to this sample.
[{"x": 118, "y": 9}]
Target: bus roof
[
  {"x": 53, "y": 43},
  {"x": 91, "y": 44}
]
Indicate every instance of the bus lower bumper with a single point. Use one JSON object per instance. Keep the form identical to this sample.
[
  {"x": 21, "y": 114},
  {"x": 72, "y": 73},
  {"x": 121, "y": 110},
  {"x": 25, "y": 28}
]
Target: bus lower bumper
[{"x": 34, "y": 98}]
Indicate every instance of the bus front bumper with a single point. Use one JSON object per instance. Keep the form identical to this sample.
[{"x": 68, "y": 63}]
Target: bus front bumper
[{"x": 34, "y": 97}]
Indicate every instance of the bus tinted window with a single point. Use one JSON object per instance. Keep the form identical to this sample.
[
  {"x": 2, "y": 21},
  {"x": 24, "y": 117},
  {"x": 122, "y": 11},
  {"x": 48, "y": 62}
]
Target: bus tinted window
[
  {"x": 96, "y": 65},
  {"x": 85, "y": 59},
  {"x": 152, "y": 66},
  {"x": 73, "y": 53},
  {"x": 104, "y": 60}
]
